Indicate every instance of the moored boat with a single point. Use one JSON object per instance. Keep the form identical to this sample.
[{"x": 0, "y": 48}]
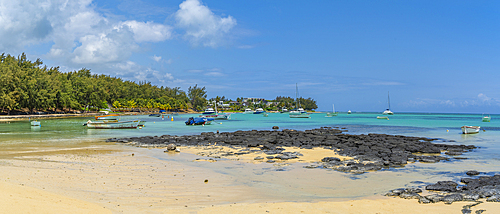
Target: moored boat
[
  {"x": 155, "y": 115},
  {"x": 131, "y": 124},
  {"x": 333, "y": 113},
  {"x": 349, "y": 112},
  {"x": 142, "y": 123},
  {"x": 259, "y": 111},
  {"x": 470, "y": 129},
  {"x": 218, "y": 116},
  {"x": 107, "y": 117},
  {"x": 209, "y": 111},
  {"x": 486, "y": 118},
  {"x": 300, "y": 112},
  {"x": 248, "y": 111},
  {"x": 388, "y": 110},
  {"x": 35, "y": 123},
  {"x": 198, "y": 121}
]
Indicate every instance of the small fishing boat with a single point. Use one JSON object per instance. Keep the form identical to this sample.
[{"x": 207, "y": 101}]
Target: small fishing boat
[
  {"x": 131, "y": 124},
  {"x": 198, "y": 121},
  {"x": 333, "y": 113},
  {"x": 35, "y": 123},
  {"x": 248, "y": 111},
  {"x": 155, "y": 115},
  {"x": 209, "y": 111},
  {"x": 388, "y": 110},
  {"x": 486, "y": 118},
  {"x": 470, "y": 129},
  {"x": 107, "y": 117},
  {"x": 259, "y": 111},
  {"x": 383, "y": 117}
]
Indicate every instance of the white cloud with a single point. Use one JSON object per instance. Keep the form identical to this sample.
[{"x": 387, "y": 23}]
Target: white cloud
[
  {"x": 202, "y": 25},
  {"x": 149, "y": 31},
  {"x": 483, "y": 97},
  {"x": 79, "y": 33},
  {"x": 215, "y": 74},
  {"x": 157, "y": 58},
  {"x": 246, "y": 46}
]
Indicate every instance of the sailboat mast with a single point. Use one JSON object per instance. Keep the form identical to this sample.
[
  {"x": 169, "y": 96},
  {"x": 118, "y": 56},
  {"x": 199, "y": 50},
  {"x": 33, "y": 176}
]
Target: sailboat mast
[
  {"x": 297, "y": 96},
  {"x": 388, "y": 101}
]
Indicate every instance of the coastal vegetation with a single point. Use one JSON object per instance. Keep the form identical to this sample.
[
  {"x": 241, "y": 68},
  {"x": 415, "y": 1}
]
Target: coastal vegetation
[{"x": 30, "y": 87}]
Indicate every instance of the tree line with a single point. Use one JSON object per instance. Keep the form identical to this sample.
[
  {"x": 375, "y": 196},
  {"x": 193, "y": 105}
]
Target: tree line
[{"x": 29, "y": 86}]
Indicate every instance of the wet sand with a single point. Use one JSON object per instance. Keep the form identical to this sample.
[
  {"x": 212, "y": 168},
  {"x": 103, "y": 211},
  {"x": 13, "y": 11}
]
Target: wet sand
[{"x": 105, "y": 177}]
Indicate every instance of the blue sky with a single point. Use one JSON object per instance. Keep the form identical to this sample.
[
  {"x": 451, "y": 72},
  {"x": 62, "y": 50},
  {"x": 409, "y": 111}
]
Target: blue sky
[{"x": 433, "y": 56}]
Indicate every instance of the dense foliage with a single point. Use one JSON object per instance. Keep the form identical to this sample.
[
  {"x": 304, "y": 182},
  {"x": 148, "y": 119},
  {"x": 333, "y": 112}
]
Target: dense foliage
[{"x": 27, "y": 85}]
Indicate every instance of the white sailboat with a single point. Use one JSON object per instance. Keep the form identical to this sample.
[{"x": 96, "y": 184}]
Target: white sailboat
[
  {"x": 299, "y": 113},
  {"x": 388, "y": 110},
  {"x": 333, "y": 113}
]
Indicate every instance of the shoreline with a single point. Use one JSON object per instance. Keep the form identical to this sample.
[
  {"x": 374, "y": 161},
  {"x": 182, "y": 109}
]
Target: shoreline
[{"x": 114, "y": 178}]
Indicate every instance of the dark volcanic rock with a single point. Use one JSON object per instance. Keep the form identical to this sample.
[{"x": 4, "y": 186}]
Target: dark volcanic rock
[
  {"x": 448, "y": 186},
  {"x": 380, "y": 149},
  {"x": 482, "y": 187},
  {"x": 472, "y": 172}
]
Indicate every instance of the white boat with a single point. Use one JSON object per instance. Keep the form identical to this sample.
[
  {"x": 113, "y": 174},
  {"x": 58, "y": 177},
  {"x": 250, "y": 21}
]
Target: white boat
[
  {"x": 209, "y": 111},
  {"x": 216, "y": 115},
  {"x": 35, "y": 123},
  {"x": 349, "y": 112},
  {"x": 470, "y": 129},
  {"x": 486, "y": 118},
  {"x": 388, "y": 110},
  {"x": 299, "y": 113},
  {"x": 383, "y": 117},
  {"x": 259, "y": 111},
  {"x": 248, "y": 111},
  {"x": 107, "y": 117},
  {"x": 333, "y": 113},
  {"x": 131, "y": 124},
  {"x": 284, "y": 110}
]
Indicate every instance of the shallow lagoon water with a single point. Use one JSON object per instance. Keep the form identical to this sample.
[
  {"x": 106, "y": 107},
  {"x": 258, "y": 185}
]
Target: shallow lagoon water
[{"x": 291, "y": 182}]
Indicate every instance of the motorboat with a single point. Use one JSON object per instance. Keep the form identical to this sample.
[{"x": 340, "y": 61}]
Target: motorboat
[
  {"x": 470, "y": 129},
  {"x": 248, "y": 111},
  {"x": 486, "y": 118},
  {"x": 259, "y": 111},
  {"x": 349, "y": 112},
  {"x": 284, "y": 110},
  {"x": 388, "y": 110},
  {"x": 35, "y": 123},
  {"x": 216, "y": 115},
  {"x": 333, "y": 113},
  {"x": 209, "y": 111},
  {"x": 131, "y": 124},
  {"x": 198, "y": 121}
]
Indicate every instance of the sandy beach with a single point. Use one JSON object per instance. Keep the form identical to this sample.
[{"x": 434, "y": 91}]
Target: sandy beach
[{"x": 111, "y": 178}]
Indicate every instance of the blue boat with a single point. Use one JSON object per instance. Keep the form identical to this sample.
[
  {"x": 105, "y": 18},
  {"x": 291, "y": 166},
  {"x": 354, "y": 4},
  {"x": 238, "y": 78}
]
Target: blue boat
[
  {"x": 199, "y": 121},
  {"x": 259, "y": 111}
]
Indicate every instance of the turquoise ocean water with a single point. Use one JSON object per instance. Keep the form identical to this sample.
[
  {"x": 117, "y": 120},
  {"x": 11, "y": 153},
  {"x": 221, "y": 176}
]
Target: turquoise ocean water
[{"x": 446, "y": 127}]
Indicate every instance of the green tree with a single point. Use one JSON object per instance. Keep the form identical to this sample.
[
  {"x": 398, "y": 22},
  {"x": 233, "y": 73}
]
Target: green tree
[{"x": 197, "y": 97}]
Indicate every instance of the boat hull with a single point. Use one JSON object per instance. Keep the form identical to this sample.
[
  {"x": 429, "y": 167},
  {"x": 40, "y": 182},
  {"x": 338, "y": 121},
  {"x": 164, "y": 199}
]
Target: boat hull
[
  {"x": 470, "y": 129},
  {"x": 486, "y": 119},
  {"x": 113, "y": 125},
  {"x": 107, "y": 117},
  {"x": 218, "y": 116}
]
